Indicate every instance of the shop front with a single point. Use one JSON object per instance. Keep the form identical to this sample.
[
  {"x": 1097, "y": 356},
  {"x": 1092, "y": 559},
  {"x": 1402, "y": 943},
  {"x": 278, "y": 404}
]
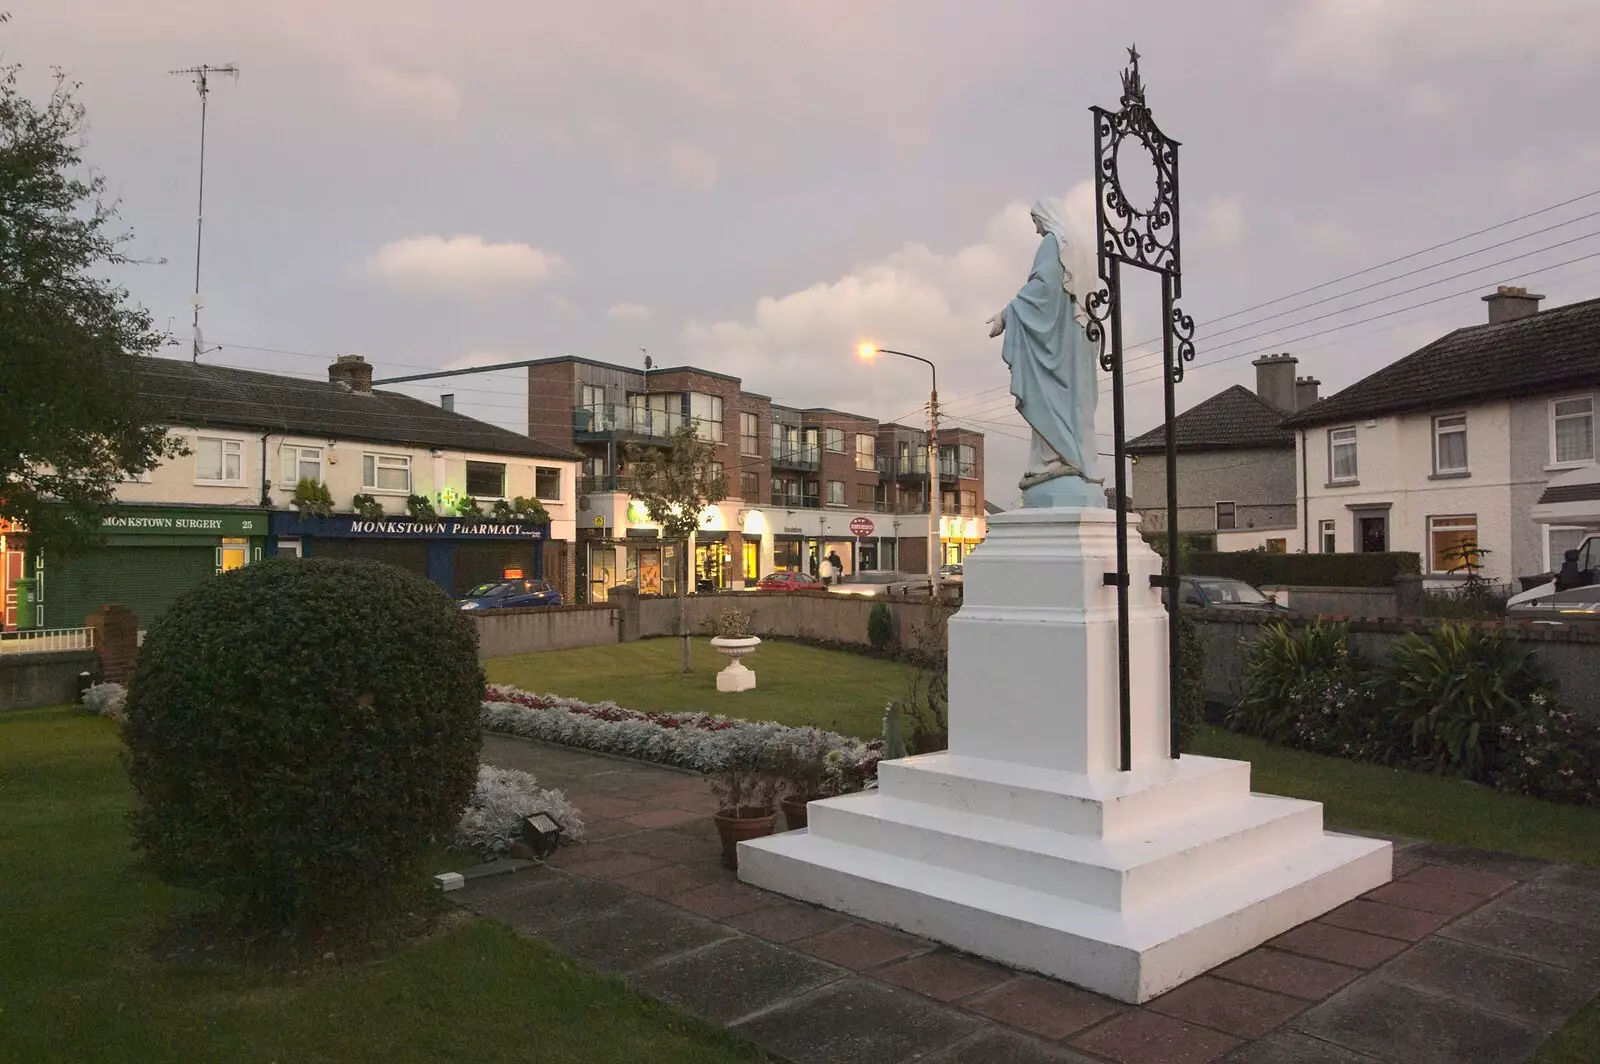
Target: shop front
[
  {"x": 13, "y": 566},
  {"x": 958, "y": 536},
  {"x": 455, "y": 554},
  {"x": 147, "y": 558}
]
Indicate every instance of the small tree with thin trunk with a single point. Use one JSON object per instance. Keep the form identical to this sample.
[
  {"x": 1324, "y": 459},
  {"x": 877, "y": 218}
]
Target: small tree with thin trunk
[{"x": 676, "y": 483}]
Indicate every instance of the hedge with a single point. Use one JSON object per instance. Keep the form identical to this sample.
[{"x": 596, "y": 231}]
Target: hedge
[{"x": 1264, "y": 569}]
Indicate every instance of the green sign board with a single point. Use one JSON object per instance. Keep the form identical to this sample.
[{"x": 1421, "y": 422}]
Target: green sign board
[{"x": 163, "y": 522}]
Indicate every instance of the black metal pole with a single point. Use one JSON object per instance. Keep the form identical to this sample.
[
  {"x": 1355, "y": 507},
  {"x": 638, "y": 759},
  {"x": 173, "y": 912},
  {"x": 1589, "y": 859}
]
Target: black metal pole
[
  {"x": 1124, "y": 668},
  {"x": 1169, "y": 388}
]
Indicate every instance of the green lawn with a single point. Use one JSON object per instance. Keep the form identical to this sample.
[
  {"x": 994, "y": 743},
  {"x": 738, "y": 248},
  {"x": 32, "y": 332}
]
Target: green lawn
[
  {"x": 795, "y": 684},
  {"x": 76, "y": 919},
  {"x": 1373, "y": 798}
]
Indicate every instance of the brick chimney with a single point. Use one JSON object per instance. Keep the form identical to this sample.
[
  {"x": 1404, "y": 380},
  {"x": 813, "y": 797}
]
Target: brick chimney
[
  {"x": 1305, "y": 391},
  {"x": 1275, "y": 380},
  {"x": 352, "y": 371},
  {"x": 1510, "y": 303}
]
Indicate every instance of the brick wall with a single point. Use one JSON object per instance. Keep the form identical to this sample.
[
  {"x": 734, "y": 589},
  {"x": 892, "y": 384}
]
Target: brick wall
[
  {"x": 761, "y": 462},
  {"x": 838, "y": 466},
  {"x": 552, "y": 395},
  {"x": 727, "y": 389}
]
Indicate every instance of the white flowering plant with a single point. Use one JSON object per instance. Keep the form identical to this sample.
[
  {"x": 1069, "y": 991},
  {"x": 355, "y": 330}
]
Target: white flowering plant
[
  {"x": 503, "y": 797},
  {"x": 107, "y": 700}
]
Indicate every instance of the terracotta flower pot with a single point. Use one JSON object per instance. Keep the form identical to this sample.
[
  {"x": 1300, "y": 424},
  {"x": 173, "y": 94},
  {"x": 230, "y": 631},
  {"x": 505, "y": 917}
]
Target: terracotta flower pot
[
  {"x": 794, "y": 810},
  {"x": 738, "y": 825}
]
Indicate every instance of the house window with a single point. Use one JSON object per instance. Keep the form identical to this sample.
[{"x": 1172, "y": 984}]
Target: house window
[
  {"x": 749, "y": 434},
  {"x": 750, "y": 487},
  {"x": 592, "y": 396},
  {"x": 835, "y": 493},
  {"x": 1452, "y": 543},
  {"x": 1227, "y": 516},
  {"x": 716, "y": 474},
  {"x": 218, "y": 461},
  {"x": 387, "y": 472},
  {"x": 866, "y": 452},
  {"x": 706, "y": 410},
  {"x": 1325, "y": 529},
  {"x": 1558, "y": 541},
  {"x": 836, "y": 441},
  {"x": 1341, "y": 455},
  {"x": 1572, "y": 430},
  {"x": 547, "y": 483},
  {"x": 969, "y": 503},
  {"x": 967, "y": 455},
  {"x": 1450, "y": 444},
  {"x": 949, "y": 502},
  {"x": 485, "y": 480},
  {"x": 301, "y": 463},
  {"x": 1277, "y": 546},
  {"x": 866, "y": 496}
]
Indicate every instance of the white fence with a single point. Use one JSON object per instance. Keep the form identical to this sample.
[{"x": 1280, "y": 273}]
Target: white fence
[{"x": 46, "y": 640}]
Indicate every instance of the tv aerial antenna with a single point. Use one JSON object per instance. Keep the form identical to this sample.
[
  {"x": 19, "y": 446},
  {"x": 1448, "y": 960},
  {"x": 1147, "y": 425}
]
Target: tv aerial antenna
[{"x": 202, "y": 76}]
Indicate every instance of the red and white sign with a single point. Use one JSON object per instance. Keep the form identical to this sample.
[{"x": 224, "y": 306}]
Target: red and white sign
[{"x": 862, "y": 526}]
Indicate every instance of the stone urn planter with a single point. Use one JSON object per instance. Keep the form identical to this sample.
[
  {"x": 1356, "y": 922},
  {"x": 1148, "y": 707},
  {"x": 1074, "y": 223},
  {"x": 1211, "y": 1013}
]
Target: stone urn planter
[
  {"x": 736, "y": 677},
  {"x": 740, "y": 825}
]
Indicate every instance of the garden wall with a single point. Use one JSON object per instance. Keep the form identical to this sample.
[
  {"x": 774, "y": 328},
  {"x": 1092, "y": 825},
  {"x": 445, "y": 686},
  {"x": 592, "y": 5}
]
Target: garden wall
[
  {"x": 810, "y": 615},
  {"x": 43, "y": 679},
  {"x": 1571, "y": 658},
  {"x": 1340, "y": 601},
  {"x": 502, "y": 633}
]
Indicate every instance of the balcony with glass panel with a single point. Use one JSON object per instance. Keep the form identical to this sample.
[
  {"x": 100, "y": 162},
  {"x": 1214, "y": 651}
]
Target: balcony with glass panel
[
  {"x": 805, "y": 457},
  {"x": 796, "y": 502},
  {"x": 619, "y": 421}
]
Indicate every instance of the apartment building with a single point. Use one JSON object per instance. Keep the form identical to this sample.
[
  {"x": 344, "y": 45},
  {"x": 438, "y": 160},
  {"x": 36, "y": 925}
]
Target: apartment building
[{"x": 803, "y": 483}]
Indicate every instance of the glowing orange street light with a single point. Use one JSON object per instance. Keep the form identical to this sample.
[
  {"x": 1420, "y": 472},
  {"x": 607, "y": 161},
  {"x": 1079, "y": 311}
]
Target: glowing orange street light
[{"x": 867, "y": 351}]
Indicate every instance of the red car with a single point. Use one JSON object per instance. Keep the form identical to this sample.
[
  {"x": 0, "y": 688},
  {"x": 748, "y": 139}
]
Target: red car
[{"x": 790, "y": 582}]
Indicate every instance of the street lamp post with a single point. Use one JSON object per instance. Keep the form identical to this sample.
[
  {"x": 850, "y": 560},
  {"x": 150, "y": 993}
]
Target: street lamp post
[{"x": 868, "y": 352}]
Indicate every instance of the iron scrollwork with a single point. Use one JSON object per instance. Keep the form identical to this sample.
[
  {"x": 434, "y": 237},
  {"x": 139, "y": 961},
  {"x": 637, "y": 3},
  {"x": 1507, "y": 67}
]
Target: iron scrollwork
[
  {"x": 1182, "y": 326},
  {"x": 1141, "y": 235}
]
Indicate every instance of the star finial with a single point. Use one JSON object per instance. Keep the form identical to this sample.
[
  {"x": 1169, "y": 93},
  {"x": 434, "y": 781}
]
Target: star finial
[{"x": 1133, "y": 55}]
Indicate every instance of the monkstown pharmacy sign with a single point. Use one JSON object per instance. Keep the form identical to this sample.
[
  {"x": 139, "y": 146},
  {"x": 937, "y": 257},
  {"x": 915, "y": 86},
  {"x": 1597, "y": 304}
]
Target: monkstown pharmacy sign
[{"x": 348, "y": 526}]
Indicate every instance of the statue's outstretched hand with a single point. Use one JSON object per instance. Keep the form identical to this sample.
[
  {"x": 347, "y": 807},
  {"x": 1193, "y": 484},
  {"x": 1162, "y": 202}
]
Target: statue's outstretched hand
[{"x": 997, "y": 324}]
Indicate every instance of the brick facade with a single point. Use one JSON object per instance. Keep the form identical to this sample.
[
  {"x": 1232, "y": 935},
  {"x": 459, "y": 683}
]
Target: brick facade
[
  {"x": 840, "y": 466},
  {"x": 552, "y": 396}
]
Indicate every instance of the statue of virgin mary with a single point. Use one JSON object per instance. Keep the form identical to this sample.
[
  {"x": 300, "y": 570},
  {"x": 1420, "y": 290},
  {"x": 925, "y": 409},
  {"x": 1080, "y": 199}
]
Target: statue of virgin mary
[{"x": 1053, "y": 366}]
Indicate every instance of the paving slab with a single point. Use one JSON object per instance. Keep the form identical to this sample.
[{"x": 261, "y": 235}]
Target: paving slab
[
  {"x": 1403, "y": 1026},
  {"x": 944, "y": 975},
  {"x": 998, "y": 1045},
  {"x": 1292, "y": 1047},
  {"x": 1518, "y": 989},
  {"x": 1140, "y": 1037},
  {"x": 1577, "y": 878},
  {"x": 859, "y": 1021},
  {"x": 510, "y": 883},
  {"x": 1242, "y": 1011},
  {"x": 1563, "y": 945},
  {"x": 1555, "y": 902},
  {"x": 1044, "y": 1007},
  {"x": 1357, "y": 949},
  {"x": 1390, "y": 921},
  {"x": 734, "y": 978},
  {"x": 858, "y": 947},
  {"x": 1425, "y": 898},
  {"x": 786, "y": 922},
  {"x": 634, "y": 936},
  {"x": 553, "y": 900},
  {"x": 1512, "y": 865},
  {"x": 1306, "y": 978}
]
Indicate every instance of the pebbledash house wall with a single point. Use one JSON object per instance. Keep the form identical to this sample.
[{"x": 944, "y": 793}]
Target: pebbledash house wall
[
  {"x": 1507, "y": 458},
  {"x": 1256, "y": 481}
]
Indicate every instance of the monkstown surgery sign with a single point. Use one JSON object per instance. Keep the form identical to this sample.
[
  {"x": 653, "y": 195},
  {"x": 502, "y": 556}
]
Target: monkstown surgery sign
[
  {"x": 152, "y": 521},
  {"x": 287, "y": 525}
]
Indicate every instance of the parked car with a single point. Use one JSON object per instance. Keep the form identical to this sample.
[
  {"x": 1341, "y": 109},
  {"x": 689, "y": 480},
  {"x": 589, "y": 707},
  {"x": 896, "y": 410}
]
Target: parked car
[
  {"x": 511, "y": 594},
  {"x": 790, "y": 582},
  {"x": 950, "y": 574},
  {"x": 1226, "y": 593},
  {"x": 875, "y": 584},
  {"x": 1578, "y": 607}
]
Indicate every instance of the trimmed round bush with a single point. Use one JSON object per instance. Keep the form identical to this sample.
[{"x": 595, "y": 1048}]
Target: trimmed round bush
[{"x": 299, "y": 733}]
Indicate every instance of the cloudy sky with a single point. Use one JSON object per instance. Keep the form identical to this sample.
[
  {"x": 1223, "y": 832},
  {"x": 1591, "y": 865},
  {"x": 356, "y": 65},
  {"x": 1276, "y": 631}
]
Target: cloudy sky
[{"x": 754, "y": 187}]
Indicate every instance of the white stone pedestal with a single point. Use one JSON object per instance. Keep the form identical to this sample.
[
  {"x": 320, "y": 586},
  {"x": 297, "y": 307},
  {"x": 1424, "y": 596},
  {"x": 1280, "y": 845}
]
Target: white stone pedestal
[
  {"x": 1024, "y": 842},
  {"x": 737, "y": 676}
]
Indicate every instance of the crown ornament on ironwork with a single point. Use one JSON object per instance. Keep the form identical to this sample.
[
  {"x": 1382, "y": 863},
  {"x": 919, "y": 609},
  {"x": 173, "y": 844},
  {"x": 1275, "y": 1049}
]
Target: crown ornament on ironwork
[{"x": 1132, "y": 85}]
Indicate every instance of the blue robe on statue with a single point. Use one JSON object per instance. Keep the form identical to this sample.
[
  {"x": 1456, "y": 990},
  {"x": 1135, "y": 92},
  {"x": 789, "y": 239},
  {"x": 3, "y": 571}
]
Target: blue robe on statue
[{"x": 1053, "y": 380}]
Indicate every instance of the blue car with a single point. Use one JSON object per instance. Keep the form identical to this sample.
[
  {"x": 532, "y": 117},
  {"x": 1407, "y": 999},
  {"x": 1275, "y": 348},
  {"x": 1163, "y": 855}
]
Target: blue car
[{"x": 511, "y": 594}]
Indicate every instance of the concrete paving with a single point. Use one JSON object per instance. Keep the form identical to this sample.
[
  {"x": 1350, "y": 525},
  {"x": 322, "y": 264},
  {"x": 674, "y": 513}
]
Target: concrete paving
[{"x": 1466, "y": 956}]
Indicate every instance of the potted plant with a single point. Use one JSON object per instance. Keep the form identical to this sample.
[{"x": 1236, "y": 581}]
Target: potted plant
[
  {"x": 312, "y": 498},
  {"x": 421, "y": 508},
  {"x": 733, "y": 640},
  {"x": 746, "y": 789},
  {"x": 367, "y": 507},
  {"x": 804, "y": 764}
]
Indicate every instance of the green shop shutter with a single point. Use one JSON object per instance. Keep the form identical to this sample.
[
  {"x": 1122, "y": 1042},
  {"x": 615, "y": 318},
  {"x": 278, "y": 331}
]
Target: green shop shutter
[{"x": 144, "y": 579}]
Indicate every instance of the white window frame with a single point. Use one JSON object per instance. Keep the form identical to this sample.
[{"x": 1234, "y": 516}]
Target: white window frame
[
  {"x": 1333, "y": 444},
  {"x": 559, "y": 478},
  {"x": 866, "y": 452},
  {"x": 377, "y": 459},
  {"x": 754, "y": 435},
  {"x": 505, "y": 477},
  {"x": 225, "y": 445},
  {"x": 1433, "y": 525},
  {"x": 1552, "y": 561},
  {"x": 833, "y": 441},
  {"x": 1233, "y": 516},
  {"x": 1445, "y": 425},
  {"x": 1328, "y": 531},
  {"x": 290, "y": 458},
  {"x": 1594, "y": 445},
  {"x": 831, "y": 500},
  {"x": 707, "y": 426}
]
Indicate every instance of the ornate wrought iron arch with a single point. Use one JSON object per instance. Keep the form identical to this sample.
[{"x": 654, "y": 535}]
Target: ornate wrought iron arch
[{"x": 1145, "y": 237}]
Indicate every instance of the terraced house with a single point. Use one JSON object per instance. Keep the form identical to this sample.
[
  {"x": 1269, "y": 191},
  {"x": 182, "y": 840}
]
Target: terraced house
[{"x": 254, "y": 438}]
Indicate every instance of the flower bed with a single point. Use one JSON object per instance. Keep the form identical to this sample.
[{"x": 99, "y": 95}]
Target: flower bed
[
  {"x": 701, "y": 742},
  {"x": 493, "y": 819}
]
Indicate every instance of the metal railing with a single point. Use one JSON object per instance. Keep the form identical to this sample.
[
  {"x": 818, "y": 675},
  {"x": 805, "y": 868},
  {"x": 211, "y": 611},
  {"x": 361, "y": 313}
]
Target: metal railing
[
  {"x": 797, "y": 502},
  {"x": 621, "y": 419},
  {"x": 46, "y": 640},
  {"x": 596, "y": 484},
  {"x": 801, "y": 457}
]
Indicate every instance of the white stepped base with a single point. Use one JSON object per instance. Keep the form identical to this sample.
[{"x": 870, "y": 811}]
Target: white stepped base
[{"x": 1131, "y": 955}]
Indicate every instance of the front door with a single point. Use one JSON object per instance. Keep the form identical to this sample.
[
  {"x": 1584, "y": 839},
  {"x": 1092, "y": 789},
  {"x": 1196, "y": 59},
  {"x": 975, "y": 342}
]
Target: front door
[
  {"x": 233, "y": 554},
  {"x": 1372, "y": 533},
  {"x": 10, "y": 573},
  {"x": 602, "y": 572},
  {"x": 752, "y": 561}
]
